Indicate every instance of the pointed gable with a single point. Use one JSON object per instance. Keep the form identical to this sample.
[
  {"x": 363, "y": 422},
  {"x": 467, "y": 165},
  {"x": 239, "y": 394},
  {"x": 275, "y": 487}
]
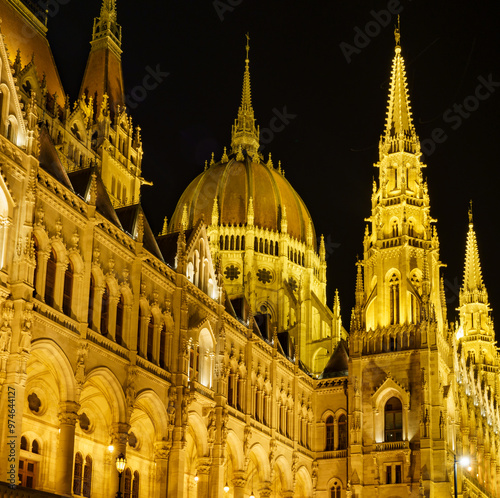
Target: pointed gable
[{"x": 12, "y": 123}]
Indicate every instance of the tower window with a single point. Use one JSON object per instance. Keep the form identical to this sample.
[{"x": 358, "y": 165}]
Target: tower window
[
  {"x": 50, "y": 279},
  {"x": 394, "y": 298},
  {"x": 342, "y": 427},
  {"x": 330, "y": 441},
  {"x": 393, "y": 420}
]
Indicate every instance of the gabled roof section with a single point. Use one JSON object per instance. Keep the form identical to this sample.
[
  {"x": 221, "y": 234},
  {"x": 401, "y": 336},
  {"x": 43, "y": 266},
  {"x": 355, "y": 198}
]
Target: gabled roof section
[
  {"x": 17, "y": 20},
  {"x": 338, "y": 363},
  {"x": 11, "y": 106},
  {"x": 168, "y": 245},
  {"x": 82, "y": 181},
  {"x": 49, "y": 159},
  {"x": 129, "y": 218}
]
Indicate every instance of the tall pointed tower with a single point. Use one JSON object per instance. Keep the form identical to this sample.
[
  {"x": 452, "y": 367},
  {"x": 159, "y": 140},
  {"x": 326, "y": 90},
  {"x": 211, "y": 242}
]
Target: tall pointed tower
[
  {"x": 477, "y": 367},
  {"x": 103, "y": 74},
  {"x": 398, "y": 349}
]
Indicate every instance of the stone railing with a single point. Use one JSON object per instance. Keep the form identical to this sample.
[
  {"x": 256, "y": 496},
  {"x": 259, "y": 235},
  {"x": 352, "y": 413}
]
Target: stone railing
[{"x": 392, "y": 445}]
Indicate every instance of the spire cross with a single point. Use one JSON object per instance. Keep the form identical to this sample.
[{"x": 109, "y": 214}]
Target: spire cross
[
  {"x": 397, "y": 34},
  {"x": 248, "y": 45},
  {"x": 470, "y": 211}
]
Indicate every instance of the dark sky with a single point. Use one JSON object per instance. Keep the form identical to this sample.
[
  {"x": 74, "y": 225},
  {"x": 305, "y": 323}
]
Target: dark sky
[{"x": 337, "y": 99}]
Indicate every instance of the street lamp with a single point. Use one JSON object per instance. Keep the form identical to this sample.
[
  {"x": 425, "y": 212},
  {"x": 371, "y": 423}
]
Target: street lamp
[
  {"x": 464, "y": 462},
  {"x": 121, "y": 461}
]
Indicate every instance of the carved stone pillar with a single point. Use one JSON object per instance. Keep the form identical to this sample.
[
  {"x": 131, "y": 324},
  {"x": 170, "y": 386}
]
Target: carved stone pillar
[
  {"x": 265, "y": 490},
  {"x": 162, "y": 450},
  {"x": 203, "y": 470},
  {"x": 239, "y": 483},
  {"x": 68, "y": 413},
  {"x": 119, "y": 438}
]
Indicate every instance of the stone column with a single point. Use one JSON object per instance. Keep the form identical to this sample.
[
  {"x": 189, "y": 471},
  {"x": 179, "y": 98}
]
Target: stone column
[
  {"x": 119, "y": 438},
  {"x": 162, "y": 450},
  {"x": 68, "y": 413},
  {"x": 265, "y": 490},
  {"x": 203, "y": 472},
  {"x": 239, "y": 483}
]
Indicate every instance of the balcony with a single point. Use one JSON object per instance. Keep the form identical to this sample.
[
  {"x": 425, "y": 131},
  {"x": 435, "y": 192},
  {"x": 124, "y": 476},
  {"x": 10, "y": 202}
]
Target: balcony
[{"x": 392, "y": 445}]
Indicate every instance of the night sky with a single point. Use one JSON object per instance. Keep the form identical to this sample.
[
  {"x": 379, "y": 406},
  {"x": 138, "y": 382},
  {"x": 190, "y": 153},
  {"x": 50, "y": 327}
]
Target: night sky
[{"x": 326, "y": 65}]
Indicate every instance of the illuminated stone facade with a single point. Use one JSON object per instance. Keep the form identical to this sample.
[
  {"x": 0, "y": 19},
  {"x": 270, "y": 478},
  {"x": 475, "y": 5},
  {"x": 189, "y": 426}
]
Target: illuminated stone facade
[{"x": 207, "y": 355}]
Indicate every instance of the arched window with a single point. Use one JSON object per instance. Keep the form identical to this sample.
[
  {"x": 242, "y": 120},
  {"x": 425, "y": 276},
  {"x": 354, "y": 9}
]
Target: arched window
[
  {"x": 24, "y": 443},
  {"x": 393, "y": 420},
  {"x": 139, "y": 327},
  {"x": 163, "y": 340},
  {"x": 35, "y": 447},
  {"x": 35, "y": 274},
  {"x": 330, "y": 434},
  {"x": 411, "y": 228},
  {"x": 221, "y": 242},
  {"x": 395, "y": 228},
  {"x": 127, "y": 484},
  {"x": 78, "y": 475},
  {"x": 232, "y": 243},
  {"x": 342, "y": 428},
  {"x": 90, "y": 318},
  {"x": 68, "y": 289},
  {"x": 87, "y": 477},
  {"x": 105, "y": 311},
  {"x": 151, "y": 329},
  {"x": 335, "y": 491},
  {"x": 119, "y": 320},
  {"x": 50, "y": 278},
  {"x": 242, "y": 242},
  {"x": 135, "y": 485},
  {"x": 394, "y": 298}
]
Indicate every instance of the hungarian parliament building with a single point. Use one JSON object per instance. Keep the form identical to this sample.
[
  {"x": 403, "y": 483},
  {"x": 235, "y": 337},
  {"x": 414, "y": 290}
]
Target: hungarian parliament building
[{"x": 204, "y": 361}]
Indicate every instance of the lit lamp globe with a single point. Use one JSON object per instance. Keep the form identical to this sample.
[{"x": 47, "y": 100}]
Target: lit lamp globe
[
  {"x": 226, "y": 488},
  {"x": 121, "y": 461}
]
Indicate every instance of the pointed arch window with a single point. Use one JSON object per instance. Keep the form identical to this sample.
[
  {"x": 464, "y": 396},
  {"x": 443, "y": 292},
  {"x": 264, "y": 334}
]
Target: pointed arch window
[
  {"x": 78, "y": 475},
  {"x": 163, "y": 340},
  {"x": 127, "y": 484},
  {"x": 330, "y": 434},
  {"x": 50, "y": 278},
  {"x": 119, "y": 320},
  {"x": 35, "y": 255},
  {"x": 105, "y": 311},
  {"x": 139, "y": 327},
  {"x": 135, "y": 485},
  {"x": 342, "y": 428},
  {"x": 24, "y": 443},
  {"x": 395, "y": 228},
  {"x": 394, "y": 298},
  {"x": 90, "y": 318},
  {"x": 393, "y": 418},
  {"x": 68, "y": 289},
  {"x": 87, "y": 477},
  {"x": 335, "y": 491},
  {"x": 151, "y": 329}
]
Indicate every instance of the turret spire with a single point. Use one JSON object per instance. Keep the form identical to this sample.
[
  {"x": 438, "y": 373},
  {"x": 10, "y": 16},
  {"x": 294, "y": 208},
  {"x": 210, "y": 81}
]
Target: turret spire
[
  {"x": 244, "y": 132},
  {"x": 399, "y": 133},
  {"x": 473, "y": 289},
  {"x": 103, "y": 74}
]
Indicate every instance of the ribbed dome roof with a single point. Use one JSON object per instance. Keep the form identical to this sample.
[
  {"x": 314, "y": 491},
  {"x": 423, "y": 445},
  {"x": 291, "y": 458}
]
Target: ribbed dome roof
[{"x": 233, "y": 183}]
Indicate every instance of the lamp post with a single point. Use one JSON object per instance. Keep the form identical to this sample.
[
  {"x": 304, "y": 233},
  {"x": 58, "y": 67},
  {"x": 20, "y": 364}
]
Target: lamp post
[
  {"x": 121, "y": 461},
  {"x": 464, "y": 462}
]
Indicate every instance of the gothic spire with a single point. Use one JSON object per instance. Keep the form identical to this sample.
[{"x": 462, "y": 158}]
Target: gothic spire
[
  {"x": 473, "y": 289},
  {"x": 244, "y": 132},
  {"x": 399, "y": 134}
]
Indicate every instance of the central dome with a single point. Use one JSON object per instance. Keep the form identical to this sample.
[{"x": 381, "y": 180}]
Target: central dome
[{"x": 233, "y": 182}]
